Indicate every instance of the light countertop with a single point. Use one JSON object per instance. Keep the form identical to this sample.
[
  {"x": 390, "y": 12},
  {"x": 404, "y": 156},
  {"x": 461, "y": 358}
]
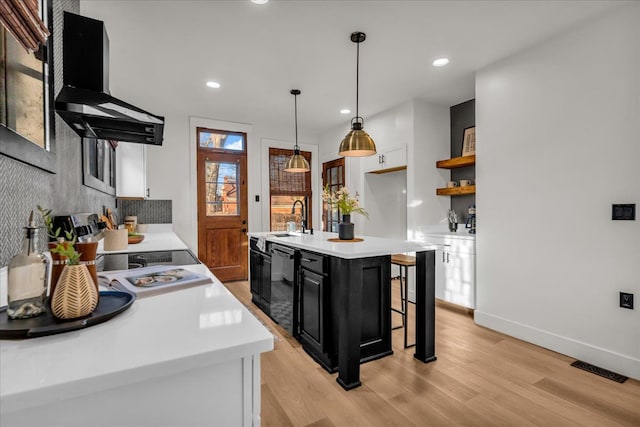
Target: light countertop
[
  {"x": 157, "y": 336},
  {"x": 370, "y": 247}
]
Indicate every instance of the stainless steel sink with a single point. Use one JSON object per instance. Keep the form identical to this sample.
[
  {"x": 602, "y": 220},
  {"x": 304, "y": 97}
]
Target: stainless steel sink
[{"x": 282, "y": 235}]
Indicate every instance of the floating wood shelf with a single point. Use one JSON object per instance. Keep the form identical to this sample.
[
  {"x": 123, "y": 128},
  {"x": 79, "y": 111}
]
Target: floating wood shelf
[
  {"x": 456, "y": 191},
  {"x": 457, "y": 162}
]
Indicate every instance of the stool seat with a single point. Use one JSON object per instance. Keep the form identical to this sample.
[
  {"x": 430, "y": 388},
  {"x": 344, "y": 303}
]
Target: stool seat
[
  {"x": 402, "y": 259},
  {"x": 405, "y": 261}
]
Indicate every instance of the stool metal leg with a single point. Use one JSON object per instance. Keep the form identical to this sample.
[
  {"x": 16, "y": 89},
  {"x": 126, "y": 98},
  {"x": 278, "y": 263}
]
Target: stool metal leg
[{"x": 402, "y": 312}]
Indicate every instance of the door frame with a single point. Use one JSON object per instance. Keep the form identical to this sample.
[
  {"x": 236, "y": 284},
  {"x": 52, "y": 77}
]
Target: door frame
[{"x": 189, "y": 232}]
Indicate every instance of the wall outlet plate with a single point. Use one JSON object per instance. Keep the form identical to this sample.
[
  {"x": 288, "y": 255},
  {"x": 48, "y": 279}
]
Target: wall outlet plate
[
  {"x": 626, "y": 300},
  {"x": 623, "y": 212}
]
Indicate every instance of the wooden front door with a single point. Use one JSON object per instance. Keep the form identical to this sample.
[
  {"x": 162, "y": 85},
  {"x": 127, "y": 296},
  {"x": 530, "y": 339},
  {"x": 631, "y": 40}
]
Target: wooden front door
[
  {"x": 222, "y": 204},
  {"x": 333, "y": 177}
]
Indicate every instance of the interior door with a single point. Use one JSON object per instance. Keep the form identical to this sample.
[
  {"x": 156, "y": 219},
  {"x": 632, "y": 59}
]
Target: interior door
[{"x": 222, "y": 212}]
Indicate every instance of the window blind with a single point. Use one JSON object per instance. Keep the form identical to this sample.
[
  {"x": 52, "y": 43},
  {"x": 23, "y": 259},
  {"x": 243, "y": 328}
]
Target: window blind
[
  {"x": 287, "y": 183},
  {"x": 22, "y": 19}
]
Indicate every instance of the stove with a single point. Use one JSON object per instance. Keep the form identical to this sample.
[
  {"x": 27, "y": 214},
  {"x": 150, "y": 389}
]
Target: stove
[{"x": 126, "y": 261}]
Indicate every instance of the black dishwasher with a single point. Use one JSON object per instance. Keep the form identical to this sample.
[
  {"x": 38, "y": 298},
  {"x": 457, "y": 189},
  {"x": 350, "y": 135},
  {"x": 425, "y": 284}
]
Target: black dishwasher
[{"x": 284, "y": 287}]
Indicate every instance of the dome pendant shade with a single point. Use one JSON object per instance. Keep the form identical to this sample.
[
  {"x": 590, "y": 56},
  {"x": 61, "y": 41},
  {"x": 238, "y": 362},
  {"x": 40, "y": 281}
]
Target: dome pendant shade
[
  {"x": 296, "y": 163},
  {"x": 357, "y": 143}
]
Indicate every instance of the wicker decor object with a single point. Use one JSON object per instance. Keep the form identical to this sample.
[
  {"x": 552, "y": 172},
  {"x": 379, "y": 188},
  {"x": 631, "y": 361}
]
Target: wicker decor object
[{"x": 75, "y": 294}]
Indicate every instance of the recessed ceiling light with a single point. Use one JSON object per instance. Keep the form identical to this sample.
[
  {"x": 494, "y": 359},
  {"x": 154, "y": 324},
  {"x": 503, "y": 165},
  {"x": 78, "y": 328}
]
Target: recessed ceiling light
[
  {"x": 259, "y": 1},
  {"x": 440, "y": 62},
  {"x": 345, "y": 111},
  {"x": 214, "y": 85}
]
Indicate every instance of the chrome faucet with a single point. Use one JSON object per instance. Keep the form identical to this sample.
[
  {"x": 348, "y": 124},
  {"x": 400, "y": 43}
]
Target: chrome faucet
[{"x": 303, "y": 220}]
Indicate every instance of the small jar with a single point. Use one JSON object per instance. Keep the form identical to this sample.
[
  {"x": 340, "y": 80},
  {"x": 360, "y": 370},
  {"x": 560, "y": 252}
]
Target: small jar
[{"x": 28, "y": 275}]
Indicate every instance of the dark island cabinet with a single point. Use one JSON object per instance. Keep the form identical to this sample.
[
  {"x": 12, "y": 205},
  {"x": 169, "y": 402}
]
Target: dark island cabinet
[
  {"x": 315, "y": 309},
  {"x": 260, "y": 278}
]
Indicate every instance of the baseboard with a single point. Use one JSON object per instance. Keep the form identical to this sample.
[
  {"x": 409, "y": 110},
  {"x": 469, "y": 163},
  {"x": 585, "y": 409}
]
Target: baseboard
[{"x": 603, "y": 358}]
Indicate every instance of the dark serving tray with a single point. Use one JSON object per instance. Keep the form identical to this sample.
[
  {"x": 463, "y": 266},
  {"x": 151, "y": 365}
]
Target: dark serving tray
[{"x": 110, "y": 304}]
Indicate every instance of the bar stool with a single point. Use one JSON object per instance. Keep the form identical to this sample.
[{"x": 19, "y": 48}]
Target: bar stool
[{"x": 405, "y": 261}]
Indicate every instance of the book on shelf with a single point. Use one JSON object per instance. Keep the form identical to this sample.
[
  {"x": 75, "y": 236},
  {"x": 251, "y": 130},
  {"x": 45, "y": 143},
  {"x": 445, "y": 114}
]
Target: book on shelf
[{"x": 148, "y": 281}]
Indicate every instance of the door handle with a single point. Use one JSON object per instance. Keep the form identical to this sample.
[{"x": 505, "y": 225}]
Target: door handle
[
  {"x": 244, "y": 230},
  {"x": 244, "y": 221}
]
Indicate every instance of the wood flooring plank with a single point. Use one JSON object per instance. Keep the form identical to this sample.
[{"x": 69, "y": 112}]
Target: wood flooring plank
[
  {"x": 594, "y": 400},
  {"x": 481, "y": 378}
]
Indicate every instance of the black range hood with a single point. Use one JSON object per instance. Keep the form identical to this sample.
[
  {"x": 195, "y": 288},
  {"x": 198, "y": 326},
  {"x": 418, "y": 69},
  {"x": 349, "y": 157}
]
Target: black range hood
[{"x": 85, "y": 102}]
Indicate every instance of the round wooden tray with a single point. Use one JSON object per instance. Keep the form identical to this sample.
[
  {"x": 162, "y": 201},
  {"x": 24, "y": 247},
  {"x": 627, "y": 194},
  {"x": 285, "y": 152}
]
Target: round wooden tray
[
  {"x": 335, "y": 239},
  {"x": 136, "y": 239}
]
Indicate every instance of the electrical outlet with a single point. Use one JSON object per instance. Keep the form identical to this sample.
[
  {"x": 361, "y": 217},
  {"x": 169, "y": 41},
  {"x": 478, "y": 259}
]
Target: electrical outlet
[{"x": 626, "y": 300}]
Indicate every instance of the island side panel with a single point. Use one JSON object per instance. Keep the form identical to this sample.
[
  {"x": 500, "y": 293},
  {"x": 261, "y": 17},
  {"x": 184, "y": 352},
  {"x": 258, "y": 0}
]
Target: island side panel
[
  {"x": 425, "y": 306},
  {"x": 350, "y": 319}
]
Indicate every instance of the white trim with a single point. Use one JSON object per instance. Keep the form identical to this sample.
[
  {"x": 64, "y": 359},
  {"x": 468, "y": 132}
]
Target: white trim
[
  {"x": 265, "y": 144},
  {"x": 601, "y": 357},
  {"x": 194, "y": 123}
]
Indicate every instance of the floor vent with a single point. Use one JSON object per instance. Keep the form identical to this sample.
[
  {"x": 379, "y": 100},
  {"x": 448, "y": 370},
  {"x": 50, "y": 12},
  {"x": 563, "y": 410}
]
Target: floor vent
[{"x": 599, "y": 371}]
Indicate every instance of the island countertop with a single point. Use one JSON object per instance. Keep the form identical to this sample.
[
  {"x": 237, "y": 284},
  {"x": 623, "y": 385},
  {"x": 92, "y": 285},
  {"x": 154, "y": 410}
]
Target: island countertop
[{"x": 318, "y": 242}]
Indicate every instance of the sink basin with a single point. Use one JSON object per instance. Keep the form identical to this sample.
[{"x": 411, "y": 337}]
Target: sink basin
[{"x": 282, "y": 235}]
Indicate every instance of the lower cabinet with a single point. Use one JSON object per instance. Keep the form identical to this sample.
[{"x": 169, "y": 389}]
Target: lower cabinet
[
  {"x": 456, "y": 271},
  {"x": 260, "y": 280},
  {"x": 321, "y": 278},
  {"x": 312, "y": 306}
]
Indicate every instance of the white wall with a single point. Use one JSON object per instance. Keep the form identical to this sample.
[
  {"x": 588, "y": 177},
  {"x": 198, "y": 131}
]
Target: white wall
[
  {"x": 424, "y": 128},
  {"x": 386, "y": 196},
  {"x": 171, "y": 170},
  {"x": 557, "y": 131}
]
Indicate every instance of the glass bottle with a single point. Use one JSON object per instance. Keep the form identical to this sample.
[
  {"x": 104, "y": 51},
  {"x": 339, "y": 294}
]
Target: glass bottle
[{"x": 28, "y": 273}]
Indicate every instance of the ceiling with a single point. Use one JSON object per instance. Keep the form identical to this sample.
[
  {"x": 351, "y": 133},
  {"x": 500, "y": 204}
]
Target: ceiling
[{"x": 163, "y": 52}]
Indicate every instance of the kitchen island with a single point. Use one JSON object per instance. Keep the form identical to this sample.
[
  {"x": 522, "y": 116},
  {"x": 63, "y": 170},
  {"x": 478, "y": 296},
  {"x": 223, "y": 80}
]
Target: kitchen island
[
  {"x": 187, "y": 357},
  {"x": 347, "y": 287}
]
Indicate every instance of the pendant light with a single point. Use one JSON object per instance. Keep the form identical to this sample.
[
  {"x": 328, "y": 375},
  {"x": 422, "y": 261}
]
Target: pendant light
[
  {"x": 357, "y": 143},
  {"x": 297, "y": 162}
]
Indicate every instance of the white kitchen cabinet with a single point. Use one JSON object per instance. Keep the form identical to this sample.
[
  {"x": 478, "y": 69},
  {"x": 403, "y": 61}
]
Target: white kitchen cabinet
[
  {"x": 131, "y": 171},
  {"x": 455, "y": 269},
  {"x": 392, "y": 158}
]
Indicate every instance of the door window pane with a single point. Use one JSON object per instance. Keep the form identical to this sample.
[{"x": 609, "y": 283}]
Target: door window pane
[
  {"x": 221, "y": 180},
  {"x": 217, "y": 139}
]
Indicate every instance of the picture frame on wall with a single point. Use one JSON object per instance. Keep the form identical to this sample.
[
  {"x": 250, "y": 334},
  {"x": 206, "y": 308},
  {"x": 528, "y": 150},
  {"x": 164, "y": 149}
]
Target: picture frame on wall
[{"x": 469, "y": 141}]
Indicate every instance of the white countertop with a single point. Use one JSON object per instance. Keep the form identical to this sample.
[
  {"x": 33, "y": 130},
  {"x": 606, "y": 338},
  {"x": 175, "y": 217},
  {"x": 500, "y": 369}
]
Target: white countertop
[
  {"x": 460, "y": 234},
  {"x": 370, "y": 247},
  {"x": 157, "y": 336},
  {"x": 162, "y": 241}
]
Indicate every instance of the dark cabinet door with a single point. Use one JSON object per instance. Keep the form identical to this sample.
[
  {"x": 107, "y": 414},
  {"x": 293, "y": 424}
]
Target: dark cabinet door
[
  {"x": 256, "y": 273},
  {"x": 312, "y": 307},
  {"x": 265, "y": 280}
]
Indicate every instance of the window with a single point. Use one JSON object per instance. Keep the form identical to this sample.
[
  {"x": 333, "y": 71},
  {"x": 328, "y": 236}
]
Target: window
[
  {"x": 285, "y": 188},
  {"x": 223, "y": 140},
  {"x": 26, "y": 95},
  {"x": 99, "y": 164}
]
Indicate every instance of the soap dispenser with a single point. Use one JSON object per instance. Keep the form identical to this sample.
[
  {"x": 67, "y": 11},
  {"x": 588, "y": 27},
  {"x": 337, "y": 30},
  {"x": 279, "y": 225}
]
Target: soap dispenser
[{"x": 28, "y": 275}]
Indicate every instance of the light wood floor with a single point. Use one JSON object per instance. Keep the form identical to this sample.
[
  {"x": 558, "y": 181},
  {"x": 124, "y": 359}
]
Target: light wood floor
[{"x": 481, "y": 378}]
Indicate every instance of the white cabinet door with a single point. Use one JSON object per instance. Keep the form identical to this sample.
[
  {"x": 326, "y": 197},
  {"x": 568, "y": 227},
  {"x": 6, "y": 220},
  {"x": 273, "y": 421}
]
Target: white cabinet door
[
  {"x": 440, "y": 273},
  {"x": 131, "y": 172},
  {"x": 392, "y": 157},
  {"x": 395, "y": 157},
  {"x": 459, "y": 283}
]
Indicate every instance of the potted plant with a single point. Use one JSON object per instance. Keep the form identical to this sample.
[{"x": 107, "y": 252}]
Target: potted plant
[
  {"x": 74, "y": 293},
  {"x": 347, "y": 205}
]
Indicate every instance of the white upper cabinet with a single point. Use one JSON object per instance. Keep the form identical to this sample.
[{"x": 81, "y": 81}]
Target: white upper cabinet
[
  {"x": 392, "y": 158},
  {"x": 131, "y": 171}
]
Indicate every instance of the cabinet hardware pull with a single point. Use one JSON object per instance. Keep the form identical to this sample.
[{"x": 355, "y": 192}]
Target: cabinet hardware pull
[
  {"x": 447, "y": 257},
  {"x": 443, "y": 257},
  {"x": 308, "y": 260}
]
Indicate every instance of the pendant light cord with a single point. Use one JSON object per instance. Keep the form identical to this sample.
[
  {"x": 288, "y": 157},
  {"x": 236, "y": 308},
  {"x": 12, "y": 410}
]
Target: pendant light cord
[
  {"x": 295, "y": 103},
  {"x": 357, "y": 76}
]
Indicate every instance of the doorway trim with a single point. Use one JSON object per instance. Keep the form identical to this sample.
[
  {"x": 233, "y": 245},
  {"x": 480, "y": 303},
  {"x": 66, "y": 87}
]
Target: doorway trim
[{"x": 194, "y": 123}]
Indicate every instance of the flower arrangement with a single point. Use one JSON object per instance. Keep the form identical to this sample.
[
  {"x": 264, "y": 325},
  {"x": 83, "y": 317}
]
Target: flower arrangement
[{"x": 345, "y": 202}]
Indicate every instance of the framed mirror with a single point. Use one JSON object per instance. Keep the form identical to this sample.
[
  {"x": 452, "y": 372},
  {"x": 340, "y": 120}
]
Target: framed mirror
[
  {"x": 27, "y": 131},
  {"x": 99, "y": 165}
]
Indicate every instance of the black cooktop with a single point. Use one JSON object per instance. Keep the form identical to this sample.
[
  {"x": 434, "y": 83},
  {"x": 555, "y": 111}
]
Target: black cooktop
[{"x": 110, "y": 262}]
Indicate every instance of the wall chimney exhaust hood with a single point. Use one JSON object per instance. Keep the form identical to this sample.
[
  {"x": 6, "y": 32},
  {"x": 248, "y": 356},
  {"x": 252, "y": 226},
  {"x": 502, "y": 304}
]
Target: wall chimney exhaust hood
[{"x": 85, "y": 102}]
